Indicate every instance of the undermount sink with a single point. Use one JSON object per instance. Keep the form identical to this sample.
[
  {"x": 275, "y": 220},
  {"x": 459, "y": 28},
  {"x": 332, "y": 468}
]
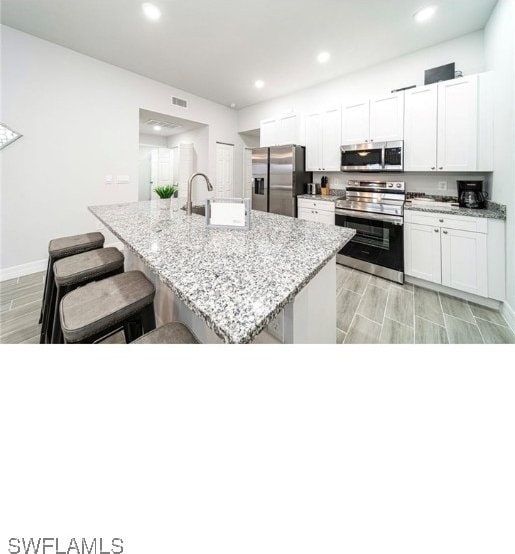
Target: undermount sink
[{"x": 199, "y": 210}]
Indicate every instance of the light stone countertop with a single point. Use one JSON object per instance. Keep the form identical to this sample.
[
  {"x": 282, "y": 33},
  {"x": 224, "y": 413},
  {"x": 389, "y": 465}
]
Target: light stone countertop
[{"x": 236, "y": 281}]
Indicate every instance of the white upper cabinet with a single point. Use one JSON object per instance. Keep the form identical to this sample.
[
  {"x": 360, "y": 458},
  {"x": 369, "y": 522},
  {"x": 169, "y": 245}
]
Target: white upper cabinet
[
  {"x": 268, "y": 132},
  {"x": 387, "y": 118},
  {"x": 331, "y": 139},
  {"x": 458, "y": 124},
  {"x": 281, "y": 130},
  {"x": 420, "y": 128},
  {"x": 378, "y": 120},
  {"x": 356, "y": 123},
  {"x": 288, "y": 129},
  {"x": 313, "y": 128},
  {"x": 323, "y": 140}
]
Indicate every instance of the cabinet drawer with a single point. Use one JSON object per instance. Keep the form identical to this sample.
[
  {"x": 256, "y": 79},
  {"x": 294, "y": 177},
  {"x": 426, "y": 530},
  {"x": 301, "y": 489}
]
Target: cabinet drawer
[
  {"x": 320, "y": 205},
  {"x": 477, "y": 225}
]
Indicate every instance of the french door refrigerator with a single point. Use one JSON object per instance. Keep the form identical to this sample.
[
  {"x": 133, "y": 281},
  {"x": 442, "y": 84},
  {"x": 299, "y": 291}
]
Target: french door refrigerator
[{"x": 278, "y": 176}]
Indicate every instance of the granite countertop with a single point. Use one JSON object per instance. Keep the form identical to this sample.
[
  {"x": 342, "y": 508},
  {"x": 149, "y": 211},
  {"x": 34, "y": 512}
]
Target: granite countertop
[
  {"x": 236, "y": 281},
  {"x": 493, "y": 211},
  {"x": 333, "y": 196}
]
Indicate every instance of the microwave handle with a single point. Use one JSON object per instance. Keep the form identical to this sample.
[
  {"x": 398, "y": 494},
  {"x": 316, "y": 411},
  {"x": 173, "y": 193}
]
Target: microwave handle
[
  {"x": 396, "y": 220},
  {"x": 383, "y": 156}
]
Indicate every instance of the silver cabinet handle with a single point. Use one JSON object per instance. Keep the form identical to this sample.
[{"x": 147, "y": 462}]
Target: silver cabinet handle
[
  {"x": 433, "y": 168},
  {"x": 437, "y": 230},
  {"x": 444, "y": 232},
  {"x": 440, "y": 168},
  {"x": 440, "y": 220}
]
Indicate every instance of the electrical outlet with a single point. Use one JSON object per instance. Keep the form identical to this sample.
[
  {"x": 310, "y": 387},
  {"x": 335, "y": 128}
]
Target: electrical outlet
[{"x": 442, "y": 185}]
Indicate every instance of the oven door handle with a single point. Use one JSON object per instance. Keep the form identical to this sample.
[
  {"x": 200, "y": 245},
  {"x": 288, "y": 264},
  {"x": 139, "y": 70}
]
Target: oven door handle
[{"x": 396, "y": 220}]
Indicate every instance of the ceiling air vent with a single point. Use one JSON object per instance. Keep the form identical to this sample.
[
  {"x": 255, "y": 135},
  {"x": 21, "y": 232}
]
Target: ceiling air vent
[
  {"x": 179, "y": 102},
  {"x": 167, "y": 124}
]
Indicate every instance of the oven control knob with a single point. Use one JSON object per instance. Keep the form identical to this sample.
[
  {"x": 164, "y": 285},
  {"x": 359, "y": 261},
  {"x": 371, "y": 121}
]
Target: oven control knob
[
  {"x": 398, "y": 185},
  {"x": 390, "y": 185}
]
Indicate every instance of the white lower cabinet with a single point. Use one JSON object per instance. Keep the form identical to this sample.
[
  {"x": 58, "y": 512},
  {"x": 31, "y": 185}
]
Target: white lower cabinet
[
  {"x": 464, "y": 261},
  {"x": 321, "y": 211},
  {"x": 455, "y": 251},
  {"x": 422, "y": 252}
]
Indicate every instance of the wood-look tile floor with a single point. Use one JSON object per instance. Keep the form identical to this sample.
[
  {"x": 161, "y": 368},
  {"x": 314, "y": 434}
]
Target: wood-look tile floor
[{"x": 369, "y": 310}]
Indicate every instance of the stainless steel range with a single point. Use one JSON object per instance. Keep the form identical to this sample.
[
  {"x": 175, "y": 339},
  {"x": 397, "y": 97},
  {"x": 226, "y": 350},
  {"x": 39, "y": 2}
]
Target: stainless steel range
[{"x": 375, "y": 210}]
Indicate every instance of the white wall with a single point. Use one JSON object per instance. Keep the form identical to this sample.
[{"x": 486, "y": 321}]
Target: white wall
[
  {"x": 80, "y": 121},
  {"x": 500, "y": 57},
  {"x": 466, "y": 51}
]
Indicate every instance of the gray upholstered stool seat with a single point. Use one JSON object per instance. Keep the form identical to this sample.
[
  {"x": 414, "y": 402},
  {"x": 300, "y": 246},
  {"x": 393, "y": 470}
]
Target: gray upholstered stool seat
[
  {"x": 170, "y": 333},
  {"x": 87, "y": 266},
  {"x": 78, "y": 270},
  {"x": 69, "y": 246},
  {"x": 94, "y": 310},
  {"x": 58, "y": 249}
]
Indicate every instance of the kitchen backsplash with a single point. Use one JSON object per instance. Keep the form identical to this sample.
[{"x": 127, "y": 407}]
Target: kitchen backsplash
[{"x": 415, "y": 182}]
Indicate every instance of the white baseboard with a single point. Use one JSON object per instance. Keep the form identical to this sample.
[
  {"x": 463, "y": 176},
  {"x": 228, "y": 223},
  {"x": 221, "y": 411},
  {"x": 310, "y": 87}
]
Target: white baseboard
[
  {"x": 16, "y": 271},
  {"x": 24, "y": 269},
  {"x": 488, "y": 302},
  {"x": 509, "y": 315}
]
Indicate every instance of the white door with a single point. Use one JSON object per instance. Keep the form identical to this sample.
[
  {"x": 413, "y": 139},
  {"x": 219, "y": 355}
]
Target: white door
[
  {"x": 387, "y": 118},
  {"x": 464, "y": 261},
  {"x": 287, "y": 130},
  {"x": 184, "y": 168},
  {"x": 420, "y": 128},
  {"x": 268, "y": 132},
  {"x": 161, "y": 169},
  {"x": 314, "y": 141},
  {"x": 224, "y": 183},
  {"x": 331, "y": 139},
  {"x": 308, "y": 215},
  {"x": 457, "y": 124},
  {"x": 356, "y": 123},
  {"x": 247, "y": 174},
  {"x": 422, "y": 252}
]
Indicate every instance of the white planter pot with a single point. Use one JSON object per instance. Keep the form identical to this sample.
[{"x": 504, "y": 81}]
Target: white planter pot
[{"x": 164, "y": 203}]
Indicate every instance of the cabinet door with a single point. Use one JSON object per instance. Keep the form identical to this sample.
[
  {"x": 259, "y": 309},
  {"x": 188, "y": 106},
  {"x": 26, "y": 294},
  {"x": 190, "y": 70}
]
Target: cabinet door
[
  {"x": 457, "y": 124},
  {"x": 314, "y": 142},
  {"x": 308, "y": 215},
  {"x": 331, "y": 139},
  {"x": 387, "y": 118},
  {"x": 324, "y": 217},
  {"x": 287, "y": 130},
  {"x": 356, "y": 123},
  {"x": 422, "y": 253},
  {"x": 420, "y": 128},
  {"x": 464, "y": 261},
  {"x": 268, "y": 132}
]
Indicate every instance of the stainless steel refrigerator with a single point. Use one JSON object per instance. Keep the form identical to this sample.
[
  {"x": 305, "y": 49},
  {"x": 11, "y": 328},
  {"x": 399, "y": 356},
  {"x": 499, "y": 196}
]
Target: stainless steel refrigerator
[{"x": 278, "y": 176}]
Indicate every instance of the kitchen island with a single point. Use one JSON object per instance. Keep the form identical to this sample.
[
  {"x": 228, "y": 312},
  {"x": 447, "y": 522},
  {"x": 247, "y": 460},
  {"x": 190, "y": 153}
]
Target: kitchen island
[{"x": 232, "y": 285}]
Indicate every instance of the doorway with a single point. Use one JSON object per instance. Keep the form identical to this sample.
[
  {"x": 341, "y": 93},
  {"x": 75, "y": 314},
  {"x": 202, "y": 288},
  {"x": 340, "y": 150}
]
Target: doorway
[{"x": 224, "y": 183}]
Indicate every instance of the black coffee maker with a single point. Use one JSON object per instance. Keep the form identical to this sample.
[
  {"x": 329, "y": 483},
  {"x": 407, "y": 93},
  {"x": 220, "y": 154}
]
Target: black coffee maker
[{"x": 471, "y": 195}]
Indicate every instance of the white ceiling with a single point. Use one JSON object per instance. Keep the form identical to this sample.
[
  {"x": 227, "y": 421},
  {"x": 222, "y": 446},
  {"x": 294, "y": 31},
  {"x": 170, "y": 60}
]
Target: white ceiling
[
  {"x": 218, "y": 48},
  {"x": 183, "y": 125}
]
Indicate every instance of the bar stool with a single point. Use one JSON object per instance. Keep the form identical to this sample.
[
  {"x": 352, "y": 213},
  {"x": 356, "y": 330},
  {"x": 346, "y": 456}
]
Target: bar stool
[
  {"x": 92, "y": 312},
  {"x": 57, "y": 249},
  {"x": 170, "y": 333},
  {"x": 79, "y": 270}
]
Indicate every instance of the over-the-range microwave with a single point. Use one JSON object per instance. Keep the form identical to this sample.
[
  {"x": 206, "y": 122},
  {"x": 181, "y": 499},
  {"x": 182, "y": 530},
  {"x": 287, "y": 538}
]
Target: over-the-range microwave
[{"x": 373, "y": 156}]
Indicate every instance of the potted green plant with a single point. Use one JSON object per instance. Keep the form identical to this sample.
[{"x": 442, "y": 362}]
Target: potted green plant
[{"x": 166, "y": 193}]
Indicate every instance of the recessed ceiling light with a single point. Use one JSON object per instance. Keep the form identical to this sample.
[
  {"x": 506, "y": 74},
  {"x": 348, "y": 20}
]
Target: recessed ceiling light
[
  {"x": 157, "y": 127},
  {"x": 323, "y": 57},
  {"x": 425, "y": 14},
  {"x": 259, "y": 83},
  {"x": 152, "y": 12}
]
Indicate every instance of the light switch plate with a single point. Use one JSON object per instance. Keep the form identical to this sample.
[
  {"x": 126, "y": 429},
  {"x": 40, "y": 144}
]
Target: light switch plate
[
  {"x": 109, "y": 180},
  {"x": 122, "y": 179}
]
